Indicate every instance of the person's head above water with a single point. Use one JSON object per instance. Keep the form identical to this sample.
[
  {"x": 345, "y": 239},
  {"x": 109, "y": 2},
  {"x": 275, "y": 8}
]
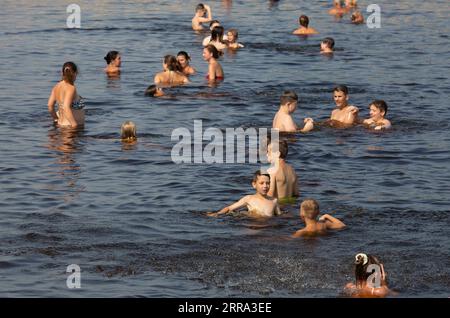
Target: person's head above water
[
  {"x": 128, "y": 131},
  {"x": 113, "y": 57},
  {"x": 200, "y": 9},
  {"x": 171, "y": 63},
  {"x": 261, "y": 182},
  {"x": 232, "y": 35},
  {"x": 210, "y": 51},
  {"x": 288, "y": 97},
  {"x": 183, "y": 58},
  {"x": 213, "y": 24},
  {"x": 69, "y": 72},
  {"x": 309, "y": 209},
  {"x": 362, "y": 272},
  {"x": 217, "y": 34},
  {"x": 154, "y": 91},
  {"x": 380, "y": 106},
  {"x": 340, "y": 95},
  {"x": 327, "y": 44},
  {"x": 303, "y": 21}
]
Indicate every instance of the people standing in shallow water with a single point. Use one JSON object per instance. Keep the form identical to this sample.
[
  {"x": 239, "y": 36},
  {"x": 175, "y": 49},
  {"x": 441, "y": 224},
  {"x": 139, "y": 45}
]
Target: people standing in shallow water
[
  {"x": 212, "y": 25},
  {"x": 283, "y": 120},
  {"x": 283, "y": 179},
  {"x": 304, "y": 28},
  {"x": 215, "y": 71},
  {"x": 64, "y": 95},
  {"x": 309, "y": 212},
  {"x": 260, "y": 204},
  {"x": 128, "y": 132},
  {"x": 114, "y": 61},
  {"x": 344, "y": 113},
  {"x": 200, "y": 11},
  {"x": 172, "y": 75},
  {"x": 327, "y": 46},
  {"x": 183, "y": 58},
  {"x": 217, "y": 38},
  {"x": 378, "y": 109},
  {"x": 370, "y": 278}
]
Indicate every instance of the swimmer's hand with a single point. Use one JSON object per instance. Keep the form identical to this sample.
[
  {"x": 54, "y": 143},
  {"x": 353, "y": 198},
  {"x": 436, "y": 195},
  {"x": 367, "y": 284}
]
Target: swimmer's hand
[
  {"x": 378, "y": 128},
  {"x": 213, "y": 214},
  {"x": 308, "y": 120}
]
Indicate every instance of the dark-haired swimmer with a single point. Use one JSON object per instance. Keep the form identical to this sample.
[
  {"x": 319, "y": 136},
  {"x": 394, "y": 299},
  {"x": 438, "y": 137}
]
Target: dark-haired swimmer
[
  {"x": 304, "y": 29},
  {"x": 378, "y": 109},
  {"x": 184, "y": 58},
  {"x": 172, "y": 74},
  {"x": 215, "y": 71},
  {"x": 344, "y": 113},
  {"x": 200, "y": 11},
  {"x": 217, "y": 38},
  {"x": 114, "y": 61},
  {"x": 154, "y": 91},
  {"x": 64, "y": 94},
  {"x": 212, "y": 25},
  {"x": 327, "y": 46},
  {"x": 259, "y": 205},
  {"x": 283, "y": 120},
  {"x": 357, "y": 18}
]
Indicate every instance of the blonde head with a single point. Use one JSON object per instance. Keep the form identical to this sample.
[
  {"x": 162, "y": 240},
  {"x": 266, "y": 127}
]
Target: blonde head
[
  {"x": 128, "y": 131},
  {"x": 310, "y": 209}
]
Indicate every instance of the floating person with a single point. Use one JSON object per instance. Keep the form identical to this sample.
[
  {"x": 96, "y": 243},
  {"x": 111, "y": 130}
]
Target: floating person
[
  {"x": 283, "y": 120},
  {"x": 304, "y": 29},
  {"x": 327, "y": 46},
  {"x": 378, "y": 109},
  {"x": 232, "y": 39},
  {"x": 337, "y": 9},
  {"x": 183, "y": 58},
  {"x": 309, "y": 212},
  {"x": 172, "y": 74},
  {"x": 283, "y": 179},
  {"x": 128, "y": 132},
  {"x": 200, "y": 11},
  {"x": 212, "y": 25},
  {"x": 344, "y": 114},
  {"x": 215, "y": 71},
  {"x": 260, "y": 204},
  {"x": 217, "y": 38},
  {"x": 357, "y": 17},
  {"x": 370, "y": 278},
  {"x": 351, "y": 4},
  {"x": 154, "y": 91},
  {"x": 114, "y": 61},
  {"x": 64, "y": 94}
]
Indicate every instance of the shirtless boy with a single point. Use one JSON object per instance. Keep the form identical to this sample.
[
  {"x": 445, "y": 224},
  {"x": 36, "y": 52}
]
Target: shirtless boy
[
  {"x": 344, "y": 113},
  {"x": 283, "y": 120},
  {"x": 200, "y": 11}
]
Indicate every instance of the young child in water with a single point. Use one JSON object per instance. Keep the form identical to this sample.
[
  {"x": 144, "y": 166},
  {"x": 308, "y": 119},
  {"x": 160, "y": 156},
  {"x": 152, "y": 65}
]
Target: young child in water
[
  {"x": 304, "y": 29},
  {"x": 260, "y": 204},
  {"x": 232, "y": 39},
  {"x": 283, "y": 179},
  {"x": 327, "y": 46},
  {"x": 200, "y": 11},
  {"x": 357, "y": 17},
  {"x": 378, "y": 109},
  {"x": 283, "y": 120},
  {"x": 128, "y": 132},
  {"x": 344, "y": 113},
  {"x": 370, "y": 278},
  {"x": 309, "y": 211}
]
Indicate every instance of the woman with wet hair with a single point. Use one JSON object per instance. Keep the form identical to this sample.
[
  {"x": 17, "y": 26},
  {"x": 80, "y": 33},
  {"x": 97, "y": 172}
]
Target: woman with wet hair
[
  {"x": 172, "y": 74},
  {"x": 370, "y": 278},
  {"x": 215, "y": 71},
  {"x": 113, "y": 61},
  {"x": 70, "y": 106},
  {"x": 217, "y": 38},
  {"x": 184, "y": 58}
]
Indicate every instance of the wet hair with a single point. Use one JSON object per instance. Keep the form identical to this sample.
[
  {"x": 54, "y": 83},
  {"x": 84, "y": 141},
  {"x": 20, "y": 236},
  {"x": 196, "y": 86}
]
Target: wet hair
[
  {"x": 341, "y": 88},
  {"x": 69, "y": 72},
  {"x": 310, "y": 208},
  {"x": 186, "y": 56},
  {"x": 288, "y": 97},
  {"x": 217, "y": 34},
  {"x": 381, "y": 105},
  {"x": 303, "y": 21},
  {"x": 258, "y": 173},
  {"x": 212, "y": 22},
  {"x": 172, "y": 63},
  {"x": 234, "y": 32},
  {"x": 362, "y": 262},
  {"x": 151, "y": 90},
  {"x": 128, "y": 131},
  {"x": 111, "y": 56},
  {"x": 213, "y": 50},
  {"x": 199, "y": 7},
  {"x": 283, "y": 149},
  {"x": 329, "y": 42}
]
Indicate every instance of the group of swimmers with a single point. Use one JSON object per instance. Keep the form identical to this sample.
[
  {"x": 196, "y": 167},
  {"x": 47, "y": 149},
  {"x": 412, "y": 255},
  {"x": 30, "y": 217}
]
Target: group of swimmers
[{"x": 277, "y": 185}]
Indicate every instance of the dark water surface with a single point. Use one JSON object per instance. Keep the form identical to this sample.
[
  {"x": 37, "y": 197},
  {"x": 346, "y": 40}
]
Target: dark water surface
[{"x": 134, "y": 221}]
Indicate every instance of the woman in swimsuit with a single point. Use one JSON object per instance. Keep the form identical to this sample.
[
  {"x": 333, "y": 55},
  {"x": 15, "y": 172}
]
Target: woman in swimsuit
[
  {"x": 172, "y": 74},
  {"x": 64, "y": 94},
  {"x": 114, "y": 60},
  {"x": 184, "y": 58},
  {"x": 215, "y": 72}
]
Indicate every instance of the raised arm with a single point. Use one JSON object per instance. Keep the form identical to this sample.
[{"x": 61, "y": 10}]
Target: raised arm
[
  {"x": 67, "y": 109},
  {"x": 239, "y": 204},
  {"x": 208, "y": 15},
  {"x": 51, "y": 105},
  {"x": 332, "y": 222}
]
